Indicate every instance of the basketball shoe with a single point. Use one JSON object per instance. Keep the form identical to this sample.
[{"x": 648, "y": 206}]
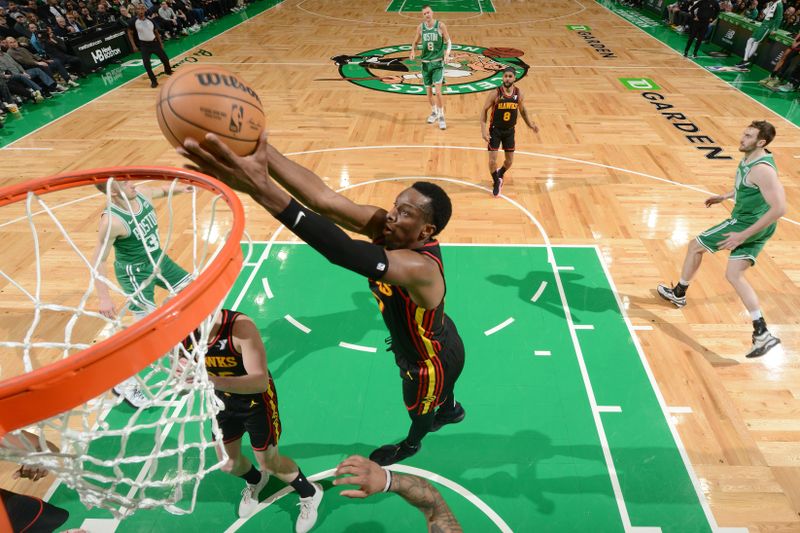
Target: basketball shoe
[
  {"x": 308, "y": 510},
  {"x": 762, "y": 344},
  {"x": 250, "y": 493}
]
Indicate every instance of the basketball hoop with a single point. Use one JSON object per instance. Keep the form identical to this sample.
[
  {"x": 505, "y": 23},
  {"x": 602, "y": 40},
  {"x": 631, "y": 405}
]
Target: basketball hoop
[{"x": 39, "y": 394}]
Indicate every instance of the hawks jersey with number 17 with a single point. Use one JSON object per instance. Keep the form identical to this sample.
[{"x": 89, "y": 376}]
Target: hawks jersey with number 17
[{"x": 418, "y": 334}]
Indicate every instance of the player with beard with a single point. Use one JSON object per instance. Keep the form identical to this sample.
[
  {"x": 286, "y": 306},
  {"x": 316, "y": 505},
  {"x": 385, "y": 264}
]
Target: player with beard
[
  {"x": 504, "y": 104},
  {"x": 403, "y": 264},
  {"x": 759, "y": 202}
]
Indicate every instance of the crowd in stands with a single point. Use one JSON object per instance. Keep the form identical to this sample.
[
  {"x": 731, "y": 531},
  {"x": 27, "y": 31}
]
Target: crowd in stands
[
  {"x": 36, "y": 59},
  {"x": 785, "y": 76}
]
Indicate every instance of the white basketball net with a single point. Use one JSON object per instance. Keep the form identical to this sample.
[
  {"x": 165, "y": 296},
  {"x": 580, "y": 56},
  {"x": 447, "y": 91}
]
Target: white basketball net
[{"x": 115, "y": 456}]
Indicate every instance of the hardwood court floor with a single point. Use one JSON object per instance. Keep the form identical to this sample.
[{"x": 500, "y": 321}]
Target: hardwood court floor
[{"x": 608, "y": 168}]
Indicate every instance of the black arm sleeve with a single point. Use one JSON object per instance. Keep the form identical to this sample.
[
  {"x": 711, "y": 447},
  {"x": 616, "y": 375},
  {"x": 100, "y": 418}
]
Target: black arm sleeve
[{"x": 328, "y": 239}]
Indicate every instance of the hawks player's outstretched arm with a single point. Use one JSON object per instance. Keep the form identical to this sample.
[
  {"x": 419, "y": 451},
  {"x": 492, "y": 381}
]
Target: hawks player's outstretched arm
[
  {"x": 247, "y": 341},
  {"x": 372, "y": 479},
  {"x": 246, "y": 174},
  {"x": 310, "y": 190},
  {"x": 411, "y": 270}
]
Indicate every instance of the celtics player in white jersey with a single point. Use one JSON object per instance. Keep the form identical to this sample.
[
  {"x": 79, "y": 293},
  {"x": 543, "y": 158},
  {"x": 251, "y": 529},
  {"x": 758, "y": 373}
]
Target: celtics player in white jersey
[
  {"x": 435, "y": 55},
  {"x": 759, "y": 203},
  {"x": 133, "y": 232}
]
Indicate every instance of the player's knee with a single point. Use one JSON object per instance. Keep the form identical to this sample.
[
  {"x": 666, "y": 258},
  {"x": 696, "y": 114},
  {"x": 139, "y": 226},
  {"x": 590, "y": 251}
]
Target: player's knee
[
  {"x": 733, "y": 275},
  {"x": 695, "y": 247}
]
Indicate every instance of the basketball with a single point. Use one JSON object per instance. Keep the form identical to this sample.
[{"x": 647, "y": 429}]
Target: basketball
[{"x": 208, "y": 99}]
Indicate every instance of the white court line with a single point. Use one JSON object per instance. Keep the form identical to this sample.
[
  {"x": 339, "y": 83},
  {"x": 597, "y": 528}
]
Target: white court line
[
  {"x": 498, "y": 327},
  {"x": 642, "y": 328},
  {"x": 518, "y": 152},
  {"x": 660, "y": 397},
  {"x": 290, "y": 63},
  {"x": 267, "y": 290},
  {"x": 483, "y": 149},
  {"x": 676, "y": 409},
  {"x": 291, "y": 320},
  {"x": 454, "y": 244},
  {"x": 583, "y": 326},
  {"x": 609, "y": 409},
  {"x": 565, "y": 268},
  {"x": 452, "y": 24},
  {"x": 612, "y": 67},
  {"x": 57, "y": 206},
  {"x": 539, "y": 291},
  {"x": 542, "y": 353},
  {"x": 403, "y": 469},
  {"x": 358, "y": 347}
]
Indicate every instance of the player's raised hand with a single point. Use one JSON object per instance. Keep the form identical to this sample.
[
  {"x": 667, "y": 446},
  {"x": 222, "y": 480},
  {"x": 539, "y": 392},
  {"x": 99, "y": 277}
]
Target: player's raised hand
[
  {"x": 711, "y": 200},
  {"x": 368, "y": 475},
  {"x": 247, "y": 174}
]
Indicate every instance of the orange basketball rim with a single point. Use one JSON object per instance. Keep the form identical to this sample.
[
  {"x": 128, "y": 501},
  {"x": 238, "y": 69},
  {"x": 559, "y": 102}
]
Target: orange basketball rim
[{"x": 67, "y": 383}]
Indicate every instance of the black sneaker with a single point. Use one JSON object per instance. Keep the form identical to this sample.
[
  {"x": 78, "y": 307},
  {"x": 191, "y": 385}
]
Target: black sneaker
[
  {"x": 153, "y": 84},
  {"x": 497, "y": 185},
  {"x": 743, "y": 65},
  {"x": 762, "y": 344},
  {"x": 393, "y": 453},
  {"x": 669, "y": 294},
  {"x": 452, "y": 416}
]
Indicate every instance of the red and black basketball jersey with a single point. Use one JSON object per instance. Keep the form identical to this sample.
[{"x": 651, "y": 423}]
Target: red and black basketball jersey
[
  {"x": 418, "y": 334},
  {"x": 504, "y": 112},
  {"x": 223, "y": 360}
]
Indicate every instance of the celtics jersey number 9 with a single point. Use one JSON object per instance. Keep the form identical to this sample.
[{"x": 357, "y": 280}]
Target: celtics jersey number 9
[{"x": 432, "y": 43}]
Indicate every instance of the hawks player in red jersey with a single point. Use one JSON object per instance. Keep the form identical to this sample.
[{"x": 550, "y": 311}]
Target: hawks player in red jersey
[
  {"x": 236, "y": 362},
  {"x": 503, "y": 105},
  {"x": 403, "y": 264}
]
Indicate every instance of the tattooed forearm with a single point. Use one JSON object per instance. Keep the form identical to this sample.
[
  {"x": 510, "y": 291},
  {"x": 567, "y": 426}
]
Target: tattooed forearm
[{"x": 427, "y": 499}]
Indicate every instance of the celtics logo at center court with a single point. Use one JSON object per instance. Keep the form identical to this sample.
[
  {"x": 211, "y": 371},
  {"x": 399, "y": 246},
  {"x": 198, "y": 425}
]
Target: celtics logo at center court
[{"x": 471, "y": 69}]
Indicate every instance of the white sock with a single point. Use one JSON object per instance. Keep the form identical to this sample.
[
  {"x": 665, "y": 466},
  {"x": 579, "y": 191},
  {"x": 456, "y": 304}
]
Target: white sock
[
  {"x": 683, "y": 282},
  {"x": 755, "y": 315},
  {"x": 434, "y": 109},
  {"x": 441, "y": 112},
  {"x": 750, "y": 48}
]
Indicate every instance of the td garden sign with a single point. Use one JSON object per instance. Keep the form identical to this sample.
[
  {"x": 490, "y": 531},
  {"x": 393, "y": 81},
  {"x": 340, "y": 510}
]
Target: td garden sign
[{"x": 471, "y": 69}]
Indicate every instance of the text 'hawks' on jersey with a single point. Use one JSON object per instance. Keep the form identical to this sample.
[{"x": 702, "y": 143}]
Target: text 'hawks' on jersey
[
  {"x": 223, "y": 360},
  {"x": 417, "y": 333},
  {"x": 506, "y": 106}
]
